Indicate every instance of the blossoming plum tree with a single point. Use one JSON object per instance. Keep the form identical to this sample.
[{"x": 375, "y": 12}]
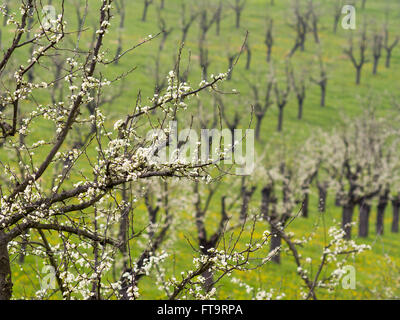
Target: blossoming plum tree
[{"x": 85, "y": 193}]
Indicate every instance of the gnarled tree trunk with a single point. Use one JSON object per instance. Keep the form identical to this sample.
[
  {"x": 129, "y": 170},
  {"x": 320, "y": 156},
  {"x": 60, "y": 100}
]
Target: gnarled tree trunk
[
  {"x": 382, "y": 204},
  {"x": 265, "y": 199},
  {"x": 396, "y": 211},
  {"x": 207, "y": 274},
  {"x": 304, "y": 208},
  {"x": 338, "y": 199},
  {"x": 347, "y": 218},
  {"x": 323, "y": 96},
  {"x": 5, "y": 270},
  {"x": 209, "y": 280},
  {"x": 363, "y": 223}
]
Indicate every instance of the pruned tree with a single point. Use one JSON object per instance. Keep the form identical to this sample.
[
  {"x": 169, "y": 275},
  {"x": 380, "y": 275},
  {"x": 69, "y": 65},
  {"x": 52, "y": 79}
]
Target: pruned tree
[
  {"x": 383, "y": 202},
  {"x": 362, "y": 46},
  {"x": 322, "y": 194},
  {"x": 205, "y": 24},
  {"x": 363, "y": 3},
  {"x": 232, "y": 122},
  {"x": 247, "y": 190},
  {"x": 386, "y": 43},
  {"x": 314, "y": 20},
  {"x": 206, "y": 243},
  {"x": 164, "y": 30},
  {"x": 218, "y": 18},
  {"x": 203, "y": 197},
  {"x": 261, "y": 105},
  {"x": 269, "y": 39},
  {"x": 364, "y": 218},
  {"x": 366, "y": 161},
  {"x": 187, "y": 21},
  {"x": 329, "y": 175},
  {"x": 337, "y": 13},
  {"x": 396, "y": 213},
  {"x": 6, "y": 11},
  {"x": 301, "y": 18},
  {"x": 282, "y": 97},
  {"x": 376, "y": 51},
  {"x": 238, "y": 6},
  {"x": 83, "y": 193},
  {"x": 310, "y": 162},
  {"x": 322, "y": 79},
  {"x": 160, "y": 220},
  {"x": 159, "y": 74},
  {"x": 120, "y": 6},
  {"x": 299, "y": 87},
  {"x": 204, "y": 61},
  {"x": 279, "y": 200},
  {"x": 336, "y": 250}
]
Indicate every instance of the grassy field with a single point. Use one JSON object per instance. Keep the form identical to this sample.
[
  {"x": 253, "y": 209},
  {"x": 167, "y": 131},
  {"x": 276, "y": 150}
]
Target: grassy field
[{"x": 344, "y": 98}]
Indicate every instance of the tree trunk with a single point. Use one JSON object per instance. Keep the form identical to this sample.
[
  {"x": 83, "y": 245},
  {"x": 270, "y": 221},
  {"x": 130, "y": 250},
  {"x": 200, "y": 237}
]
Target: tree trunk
[
  {"x": 375, "y": 69},
  {"x": 322, "y": 199},
  {"x": 396, "y": 210},
  {"x": 248, "y": 61},
  {"x": 363, "y": 227},
  {"x": 246, "y": 196},
  {"x": 118, "y": 51},
  {"x": 258, "y": 128},
  {"x": 300, "y": 109},
  {"x": 269, "y": 51},
  {"x": 280, "y": 119},
  {"x": 204, "y": 71},
  {"x": 338, "y": 199},
  {"x": 208, "y": 275},
  {"x": 146, "y": 5},
  {"x": 21, "y": 258},
  {"x": 303, "y": 40},
  {"x": 358, "y": 76},
  {"x": 276, "y": 242},
  {"x": 380, "y": 215},
  {"x": 5, "y": 270},
  {"x": 209, "y": 280},
  {"x": 363, "y": 4},
  {"x": 323, "y": 95},
  {"x": 304, "y": 208},
  {"x": 265, "y": 199},
  {"x": 388, "y": 57},
  {"x": 347, "y": 218}
]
